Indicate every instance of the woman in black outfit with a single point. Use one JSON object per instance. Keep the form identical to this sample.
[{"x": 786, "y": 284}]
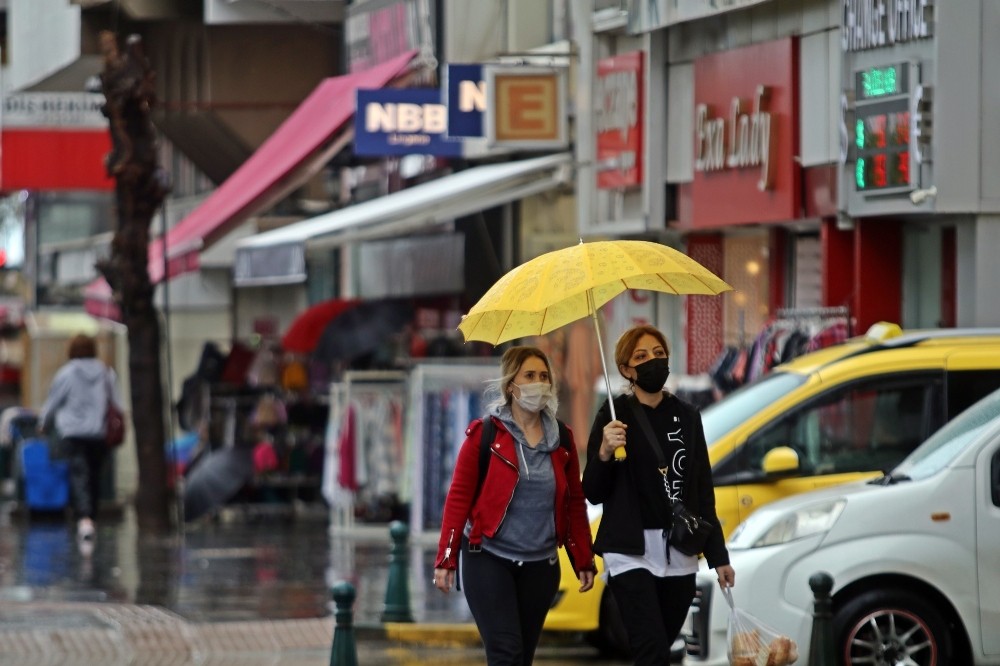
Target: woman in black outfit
[{"x": 652, "y": 582}]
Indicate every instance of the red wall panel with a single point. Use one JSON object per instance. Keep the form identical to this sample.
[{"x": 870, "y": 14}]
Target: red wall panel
[
  {"x": 878, "y": 270},
  {"x": 54, "y": 160},
  {"x": 837, "y": 255}
]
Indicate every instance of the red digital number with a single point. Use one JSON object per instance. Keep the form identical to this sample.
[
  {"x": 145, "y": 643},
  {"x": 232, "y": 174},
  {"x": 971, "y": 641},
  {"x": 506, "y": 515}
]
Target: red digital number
[
  {"x": 878, "y": 129},
  {"x": 902, "y": 129},
  {"x": 880, "y": 177},
  {"x": 903, "y": 168}
]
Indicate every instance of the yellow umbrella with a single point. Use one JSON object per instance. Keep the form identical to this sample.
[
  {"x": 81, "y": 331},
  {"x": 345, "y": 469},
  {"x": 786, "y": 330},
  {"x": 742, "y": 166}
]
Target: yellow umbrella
[{"x": 564, "y": 285}]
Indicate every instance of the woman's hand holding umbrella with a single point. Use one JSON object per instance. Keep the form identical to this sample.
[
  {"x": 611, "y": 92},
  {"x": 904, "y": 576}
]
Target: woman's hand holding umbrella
[{"x": 614, "y": 438}]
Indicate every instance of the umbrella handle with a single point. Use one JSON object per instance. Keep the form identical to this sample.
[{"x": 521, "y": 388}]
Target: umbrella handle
[{"x": 620, "y": 453}]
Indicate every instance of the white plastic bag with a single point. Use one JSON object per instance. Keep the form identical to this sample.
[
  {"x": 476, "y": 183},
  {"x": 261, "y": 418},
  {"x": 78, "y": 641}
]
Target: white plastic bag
[{"x": 753, "y": 643}]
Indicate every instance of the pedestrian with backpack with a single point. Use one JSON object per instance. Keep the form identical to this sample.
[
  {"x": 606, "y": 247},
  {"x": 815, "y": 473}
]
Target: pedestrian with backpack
[{"x": 515, "y": 497}]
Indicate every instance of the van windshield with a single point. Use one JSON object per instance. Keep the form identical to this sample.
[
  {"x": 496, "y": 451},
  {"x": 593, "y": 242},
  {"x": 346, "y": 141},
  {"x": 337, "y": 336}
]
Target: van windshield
[
  {"x": 743, "y": 403},
  {"x": 942, "y": 447}
]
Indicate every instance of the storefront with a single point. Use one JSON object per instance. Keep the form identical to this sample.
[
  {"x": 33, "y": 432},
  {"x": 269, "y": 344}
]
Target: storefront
[
  {"x": 752, "y": 212},
  {"x": 899, "y": 239},
  {"x": 739, "y": 159}
]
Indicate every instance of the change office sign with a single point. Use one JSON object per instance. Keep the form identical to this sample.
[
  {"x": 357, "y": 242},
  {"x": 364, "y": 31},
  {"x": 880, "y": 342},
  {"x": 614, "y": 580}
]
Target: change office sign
[{"x": 408, "y": 121}]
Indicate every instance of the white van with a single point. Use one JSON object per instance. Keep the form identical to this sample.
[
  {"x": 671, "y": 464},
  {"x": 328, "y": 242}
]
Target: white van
[{"x": 914, "y": 556}]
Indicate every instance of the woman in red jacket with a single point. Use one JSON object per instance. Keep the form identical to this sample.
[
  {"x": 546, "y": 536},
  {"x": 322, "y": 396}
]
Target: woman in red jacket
[{"x": 509, "y": 524}]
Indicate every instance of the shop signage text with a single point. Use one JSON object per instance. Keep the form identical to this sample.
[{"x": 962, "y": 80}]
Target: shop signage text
[
  {"x": 54, "y": 141},
  {"x": 619, "y": 121},
  {"x": 871, "y": 24},
  {"x": 402, "y": 122},
  {"x": 465, "y": 90},
  {"x": 526, "y": 107},
  {"x": 744, "y": 131},
  {"x": 745, "y": 143},
  {"x": 50, "y": 109}
]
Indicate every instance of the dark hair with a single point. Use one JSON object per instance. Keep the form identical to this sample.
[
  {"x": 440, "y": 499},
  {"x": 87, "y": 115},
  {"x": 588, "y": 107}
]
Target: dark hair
[
  {"x": 630, "y": 338},
  {"x": 82, "y": 346},
  {"x": 511, "y": 362}
]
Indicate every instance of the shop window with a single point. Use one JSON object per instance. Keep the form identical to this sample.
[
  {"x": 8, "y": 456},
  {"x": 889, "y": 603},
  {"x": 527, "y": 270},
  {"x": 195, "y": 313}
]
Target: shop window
[{"x": 747, "y": 269}]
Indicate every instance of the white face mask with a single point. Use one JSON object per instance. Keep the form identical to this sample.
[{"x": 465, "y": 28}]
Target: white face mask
[{"x": 534, "y": 397}]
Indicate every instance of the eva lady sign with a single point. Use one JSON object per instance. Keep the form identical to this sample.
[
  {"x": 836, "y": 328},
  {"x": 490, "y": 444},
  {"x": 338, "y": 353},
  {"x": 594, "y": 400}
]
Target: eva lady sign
[
  {"x": 745, "y": 136},
  {"x": 618, "y": 119}
]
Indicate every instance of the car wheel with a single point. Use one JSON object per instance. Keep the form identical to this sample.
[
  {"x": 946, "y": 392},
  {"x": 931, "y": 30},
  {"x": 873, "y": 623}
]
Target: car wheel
[
  {"x": 884, "y": 628},
  {"x": 610, "y": 637}
]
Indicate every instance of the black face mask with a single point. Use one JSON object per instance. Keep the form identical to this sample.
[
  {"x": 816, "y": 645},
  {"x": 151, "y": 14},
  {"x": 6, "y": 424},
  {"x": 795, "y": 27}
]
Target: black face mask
[{"x": 652, "y": 375}]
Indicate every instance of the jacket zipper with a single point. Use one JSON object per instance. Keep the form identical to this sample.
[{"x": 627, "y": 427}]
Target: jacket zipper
[
  {"x": 447, "y": 550},
  {"x": 511, "y": 498}
]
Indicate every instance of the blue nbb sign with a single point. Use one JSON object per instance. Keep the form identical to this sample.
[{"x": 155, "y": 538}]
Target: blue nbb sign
[{"x": 402, "y": 122}]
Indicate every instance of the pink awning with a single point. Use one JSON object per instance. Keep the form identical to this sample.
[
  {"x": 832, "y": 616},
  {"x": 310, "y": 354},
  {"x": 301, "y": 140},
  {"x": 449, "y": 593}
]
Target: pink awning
[{"x": 296, "y": 150}]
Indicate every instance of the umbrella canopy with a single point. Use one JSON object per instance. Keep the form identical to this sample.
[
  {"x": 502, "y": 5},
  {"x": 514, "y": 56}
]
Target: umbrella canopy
[
  {"x": 216, "y": 479},
  {"x": 306, "y": 329},
  {"x": 362, "y": 329},
  {"x": 559, "y": 287},
  {"x": 564, "y": 285}
]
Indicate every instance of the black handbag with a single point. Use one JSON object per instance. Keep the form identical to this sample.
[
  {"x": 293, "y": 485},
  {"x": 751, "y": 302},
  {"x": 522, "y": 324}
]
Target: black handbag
[{"x": 688, "y": 531}]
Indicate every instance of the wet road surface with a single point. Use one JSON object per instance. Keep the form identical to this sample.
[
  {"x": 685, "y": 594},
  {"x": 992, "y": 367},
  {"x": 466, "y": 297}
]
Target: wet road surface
[{"x": 235, "y": 591}]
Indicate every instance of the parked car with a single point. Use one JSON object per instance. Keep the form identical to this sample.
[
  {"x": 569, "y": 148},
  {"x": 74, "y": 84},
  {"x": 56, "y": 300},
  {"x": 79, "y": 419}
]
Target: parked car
[
  {"x": 914, "y": 556},
  {"x": 837, "y": 415}
]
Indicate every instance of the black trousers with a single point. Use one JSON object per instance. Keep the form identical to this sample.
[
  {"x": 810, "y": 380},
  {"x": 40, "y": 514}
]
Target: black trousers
[
  {"x": 509, "y": 601},
  {"x": 86, "y": 462},
  {"x": 653, "y": 610}
]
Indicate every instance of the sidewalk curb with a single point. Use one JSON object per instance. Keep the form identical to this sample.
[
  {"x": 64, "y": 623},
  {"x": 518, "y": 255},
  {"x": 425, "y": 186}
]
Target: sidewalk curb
[{"x": 430, "y": 634}]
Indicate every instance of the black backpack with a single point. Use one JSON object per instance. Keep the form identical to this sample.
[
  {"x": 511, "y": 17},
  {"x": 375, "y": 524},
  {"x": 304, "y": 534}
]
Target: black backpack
[{"x": 489, "y": 433}]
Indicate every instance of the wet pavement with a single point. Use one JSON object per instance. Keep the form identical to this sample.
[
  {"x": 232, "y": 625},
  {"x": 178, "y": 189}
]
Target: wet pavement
[
  {"x": 243, "y": 589},
  {"x": 233, "y": 569}
]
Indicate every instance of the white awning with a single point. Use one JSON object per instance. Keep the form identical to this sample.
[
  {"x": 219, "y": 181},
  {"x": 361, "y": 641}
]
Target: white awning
[{"x": 278, "y": 256}]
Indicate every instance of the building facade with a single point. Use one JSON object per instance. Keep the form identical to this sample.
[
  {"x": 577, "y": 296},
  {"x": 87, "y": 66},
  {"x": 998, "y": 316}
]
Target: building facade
[{"x": 799, "y": 151}]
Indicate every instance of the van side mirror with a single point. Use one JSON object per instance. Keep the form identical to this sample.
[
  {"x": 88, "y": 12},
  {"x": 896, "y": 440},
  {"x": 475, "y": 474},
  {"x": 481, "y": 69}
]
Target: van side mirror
[{"x": 780, "y": 460}]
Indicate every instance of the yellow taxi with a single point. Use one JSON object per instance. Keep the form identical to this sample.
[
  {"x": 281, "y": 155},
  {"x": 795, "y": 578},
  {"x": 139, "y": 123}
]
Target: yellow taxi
[{"x": 843, "y": 413}]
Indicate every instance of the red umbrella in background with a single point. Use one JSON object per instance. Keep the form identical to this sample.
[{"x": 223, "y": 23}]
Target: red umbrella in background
[
  {"x": 304, "y": 333},
  {"x": 98, "y": 301}
]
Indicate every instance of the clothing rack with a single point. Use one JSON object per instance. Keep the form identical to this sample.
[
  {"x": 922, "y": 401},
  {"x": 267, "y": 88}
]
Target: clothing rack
[
  {"x": 830, "y": 312},
  {"x": 824, "y": 312},
  {"x": 354, "y": 383},
  {"x": 443, "y": 398},
  {"x": 791, "y": 332}
]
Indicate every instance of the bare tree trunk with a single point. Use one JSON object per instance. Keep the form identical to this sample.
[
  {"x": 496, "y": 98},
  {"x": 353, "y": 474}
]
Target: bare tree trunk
[{"x": 140, "y": 187}]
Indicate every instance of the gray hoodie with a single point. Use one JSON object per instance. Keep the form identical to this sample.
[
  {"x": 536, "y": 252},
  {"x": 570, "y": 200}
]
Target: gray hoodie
[
  {"x": 529, "y": 530},
  {"x": 78, "y": 398}
]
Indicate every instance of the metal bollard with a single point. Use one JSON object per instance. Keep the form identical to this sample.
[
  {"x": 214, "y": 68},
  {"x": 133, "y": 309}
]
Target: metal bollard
[
  {"x": 397, "y": 591},
  {"x": 821, "y": 649},
  {"x": 344, "y": 652}
]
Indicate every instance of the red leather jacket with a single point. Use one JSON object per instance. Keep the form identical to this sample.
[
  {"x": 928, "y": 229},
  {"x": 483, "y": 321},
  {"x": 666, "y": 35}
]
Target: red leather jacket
[{"x": 490, "y": 509}]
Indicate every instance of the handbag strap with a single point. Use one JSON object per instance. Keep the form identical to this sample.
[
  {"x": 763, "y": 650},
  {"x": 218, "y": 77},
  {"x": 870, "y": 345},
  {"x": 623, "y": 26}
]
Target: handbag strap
[
  {"x": 654, "y": 443},
  {"x": 110, "y": 385}
]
